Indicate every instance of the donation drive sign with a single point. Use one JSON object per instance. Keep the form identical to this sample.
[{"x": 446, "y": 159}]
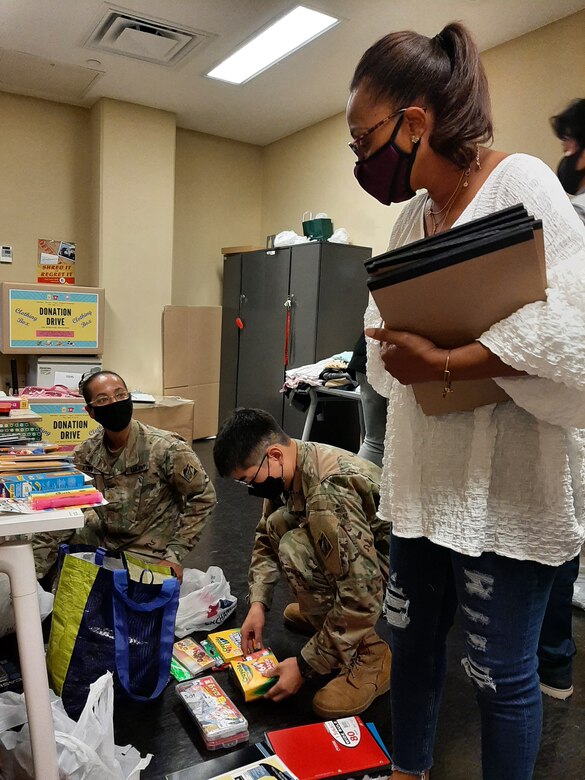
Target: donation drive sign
[{"x": 63, "y": 320}]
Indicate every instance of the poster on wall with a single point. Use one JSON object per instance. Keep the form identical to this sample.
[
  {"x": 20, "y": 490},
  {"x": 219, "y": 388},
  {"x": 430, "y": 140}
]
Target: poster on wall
[
  {"x": 56, "y": 262},
  {"x": 53, "y": 321}
]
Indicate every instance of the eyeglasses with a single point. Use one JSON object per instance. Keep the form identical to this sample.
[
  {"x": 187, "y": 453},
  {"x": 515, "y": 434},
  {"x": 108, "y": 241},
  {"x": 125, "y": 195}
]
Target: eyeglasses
[
  {"x": 356, "y": 144},
  {"x": 251, "y": 482},
  {"x": 104, "y": 400}
]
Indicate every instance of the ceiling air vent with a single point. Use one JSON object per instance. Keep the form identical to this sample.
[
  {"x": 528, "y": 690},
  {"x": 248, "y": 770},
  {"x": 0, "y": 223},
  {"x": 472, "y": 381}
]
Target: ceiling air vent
[{"x": 144, "y": 39}]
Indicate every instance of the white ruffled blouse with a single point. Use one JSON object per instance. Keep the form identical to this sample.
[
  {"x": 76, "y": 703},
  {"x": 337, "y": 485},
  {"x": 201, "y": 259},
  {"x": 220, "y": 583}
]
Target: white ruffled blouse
[{"x": 508, "y": 477}]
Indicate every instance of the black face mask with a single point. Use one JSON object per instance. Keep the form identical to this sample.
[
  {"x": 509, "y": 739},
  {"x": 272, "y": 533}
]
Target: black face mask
[
  {"x": 114, "y": 417},
  {"x": 272, "y": 488},
  {"x": 568, "y": 174}
]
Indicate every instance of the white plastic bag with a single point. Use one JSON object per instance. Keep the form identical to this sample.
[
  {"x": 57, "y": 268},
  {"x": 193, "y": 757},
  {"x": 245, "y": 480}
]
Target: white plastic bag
[
  {"x": 205, "y": 601},
  {"x": 7, "y": 619},
  {"x": 85, "y": 750},
  {"x": 340, "y": 236},
  {"x": 288, "y": 238}
]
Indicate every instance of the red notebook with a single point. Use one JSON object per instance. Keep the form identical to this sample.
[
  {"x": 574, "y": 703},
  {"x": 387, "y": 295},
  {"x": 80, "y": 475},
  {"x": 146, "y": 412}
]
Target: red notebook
[{"x": 335, "y": 749}]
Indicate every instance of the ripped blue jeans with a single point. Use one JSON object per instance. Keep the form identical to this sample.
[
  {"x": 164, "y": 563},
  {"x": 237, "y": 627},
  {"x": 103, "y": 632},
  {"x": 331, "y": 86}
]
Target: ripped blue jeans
[{"x": 502, "y": 603}]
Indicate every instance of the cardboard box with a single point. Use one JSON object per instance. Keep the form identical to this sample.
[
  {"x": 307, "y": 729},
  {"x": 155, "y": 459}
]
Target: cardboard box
[
  {"x": 191, "y": 345},
  {"x": 48, "y": 318},
  {"x": 206, "y": 409},
  {"x": 168, "y": 414},
  {"x": 63, "y": 421},
  {"x": 191, "y": 361}
]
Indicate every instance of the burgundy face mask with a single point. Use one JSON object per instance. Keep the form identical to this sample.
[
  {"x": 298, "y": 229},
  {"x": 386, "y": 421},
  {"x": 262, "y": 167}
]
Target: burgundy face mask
[{"x": 386, "y": 174}]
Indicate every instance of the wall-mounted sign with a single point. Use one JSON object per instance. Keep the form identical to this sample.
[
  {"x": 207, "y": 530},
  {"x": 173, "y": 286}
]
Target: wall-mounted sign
[
  {"x": 45, "y": 319},
  {"x": 56, "y": 262}
]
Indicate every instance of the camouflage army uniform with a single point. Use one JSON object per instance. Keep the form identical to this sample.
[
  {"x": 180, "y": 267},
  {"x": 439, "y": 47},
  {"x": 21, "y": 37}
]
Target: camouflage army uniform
[
  {"x": 158, "y": 492},
  {"x": 332, "y": 548}
]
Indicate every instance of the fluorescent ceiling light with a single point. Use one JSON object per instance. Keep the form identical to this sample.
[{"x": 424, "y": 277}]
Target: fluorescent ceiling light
[{"x": 290, "y": 32}]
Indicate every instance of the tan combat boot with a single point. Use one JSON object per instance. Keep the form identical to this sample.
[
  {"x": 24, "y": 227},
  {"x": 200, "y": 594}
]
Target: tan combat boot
[
  {"x": 295, "y": 620},
  {"x": 357, "y": 685}
]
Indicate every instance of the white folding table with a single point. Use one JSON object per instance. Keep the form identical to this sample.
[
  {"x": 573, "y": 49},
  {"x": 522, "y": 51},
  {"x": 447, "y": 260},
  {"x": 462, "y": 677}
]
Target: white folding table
[{"x": 16, "y": 560}]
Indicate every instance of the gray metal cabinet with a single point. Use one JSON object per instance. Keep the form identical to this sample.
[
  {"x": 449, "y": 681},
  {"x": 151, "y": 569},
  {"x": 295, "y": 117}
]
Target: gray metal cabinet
[{"x": 319, "y": 289}]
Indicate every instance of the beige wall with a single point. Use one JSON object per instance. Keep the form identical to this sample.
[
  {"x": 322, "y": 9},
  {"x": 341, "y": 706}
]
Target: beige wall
[
  {"x": 135, "y": 235},
  {"x": 531, "y": 78},
  {"x": 218, "y": 203},
  {"x": 312, "y": 170},
  {"x": 44, "y": 186}
]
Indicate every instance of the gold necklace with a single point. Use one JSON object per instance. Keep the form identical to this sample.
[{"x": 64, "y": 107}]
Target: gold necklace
[
  {"x": 451, "y": 202},
  {"x": 437, "y": 225},
  {"x": 454, "y": 193}
]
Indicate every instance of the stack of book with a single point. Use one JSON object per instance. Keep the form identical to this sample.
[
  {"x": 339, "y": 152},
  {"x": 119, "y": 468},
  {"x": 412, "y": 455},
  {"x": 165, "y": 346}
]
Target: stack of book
[
  {"x": 18, "y": 424},
  {"x": 38, "y": 479},
  {"x": 452, "y": 287}
]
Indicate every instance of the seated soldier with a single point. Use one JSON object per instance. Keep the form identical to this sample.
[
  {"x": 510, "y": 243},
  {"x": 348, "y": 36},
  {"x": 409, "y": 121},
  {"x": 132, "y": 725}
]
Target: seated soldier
[
  {"x": 318, "y": 526},
  {"x": 158, "y": 493}
]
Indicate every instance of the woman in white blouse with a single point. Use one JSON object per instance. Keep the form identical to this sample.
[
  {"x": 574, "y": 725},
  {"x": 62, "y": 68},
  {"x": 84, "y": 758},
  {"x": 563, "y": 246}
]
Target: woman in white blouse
[{"x": 484, "y": 504}]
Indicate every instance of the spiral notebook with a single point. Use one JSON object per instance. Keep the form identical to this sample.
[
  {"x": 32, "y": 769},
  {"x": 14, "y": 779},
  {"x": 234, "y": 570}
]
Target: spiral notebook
[{"x": 452, "y": 287}]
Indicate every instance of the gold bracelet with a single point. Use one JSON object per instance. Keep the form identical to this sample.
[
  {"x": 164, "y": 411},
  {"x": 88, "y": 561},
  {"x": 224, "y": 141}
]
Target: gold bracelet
[{"x": 447, "y": 377}]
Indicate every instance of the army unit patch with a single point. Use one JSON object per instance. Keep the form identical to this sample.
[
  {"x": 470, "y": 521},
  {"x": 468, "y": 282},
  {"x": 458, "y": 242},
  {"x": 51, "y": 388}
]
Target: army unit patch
[
  {"x": 324, "y": 545},
  {"x": 188, "y": 472}
]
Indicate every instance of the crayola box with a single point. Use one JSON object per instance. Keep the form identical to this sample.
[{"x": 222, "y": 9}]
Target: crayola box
[
  {"x": 249, "y": 673},
  {"x": 228, "y": 643}
]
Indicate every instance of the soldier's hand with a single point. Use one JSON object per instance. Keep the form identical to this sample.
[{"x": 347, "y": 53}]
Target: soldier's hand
[
  {"x": 289, "y": 680},
  {"x": 252, "y": 628}
]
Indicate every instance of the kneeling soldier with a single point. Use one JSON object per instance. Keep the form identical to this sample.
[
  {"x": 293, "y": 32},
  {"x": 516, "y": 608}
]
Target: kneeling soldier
[{"x": 319, "y": 526}]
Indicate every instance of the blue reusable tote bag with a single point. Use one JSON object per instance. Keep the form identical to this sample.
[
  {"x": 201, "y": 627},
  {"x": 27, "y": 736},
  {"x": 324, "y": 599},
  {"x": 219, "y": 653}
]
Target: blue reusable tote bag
[{"x": 106, "y": 618}]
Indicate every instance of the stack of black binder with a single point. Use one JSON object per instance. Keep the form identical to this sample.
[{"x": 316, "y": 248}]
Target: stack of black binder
[{"x": 452, "y": 287}]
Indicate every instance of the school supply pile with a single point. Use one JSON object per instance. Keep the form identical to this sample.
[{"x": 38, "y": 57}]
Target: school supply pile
[
  {"x": 35, "y": 481},
  {"x": 338, "y": 749}
]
